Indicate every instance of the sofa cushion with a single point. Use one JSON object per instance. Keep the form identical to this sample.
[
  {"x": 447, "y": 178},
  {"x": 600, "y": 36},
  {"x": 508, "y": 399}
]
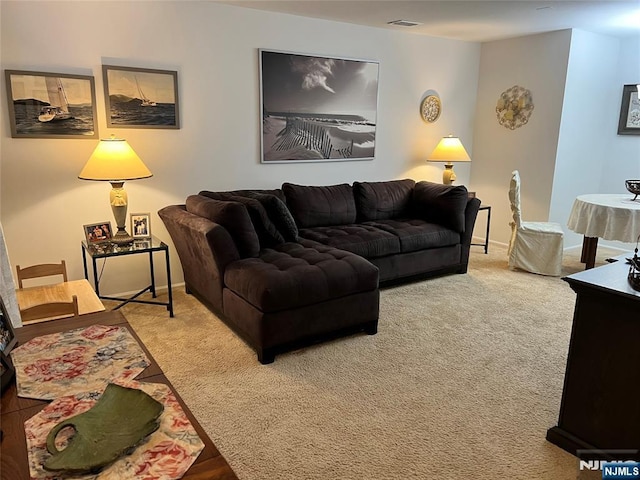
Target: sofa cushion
[
  {"x": 267, "y": 231},
  {"x": 441, "y": 204},
  {"x": 320, "y": 206},
  {"x": 364, "y": 240},
  {"x": 278, "y": 213},
  {"x": 291, "y": 275},
  {"x": 233, "y": 216},
  {"x": 416, "y": 234},
  {"x": 382, "y": 200}
]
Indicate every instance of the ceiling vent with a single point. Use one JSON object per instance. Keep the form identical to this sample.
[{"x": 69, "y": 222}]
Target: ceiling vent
[{"x": 404, "y": 23}]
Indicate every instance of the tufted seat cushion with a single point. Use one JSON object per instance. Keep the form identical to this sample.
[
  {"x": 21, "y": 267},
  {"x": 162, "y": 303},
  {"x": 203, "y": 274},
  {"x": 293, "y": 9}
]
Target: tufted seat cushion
[
  {"x": 291, "y": 275},
  {"x": 416, "y": 234},
  {"x": 361, "y": 239}
]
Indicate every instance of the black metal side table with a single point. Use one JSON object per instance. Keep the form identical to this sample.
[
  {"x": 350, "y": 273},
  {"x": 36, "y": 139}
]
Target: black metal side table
[
  {"x": 486, "y": 238},
  {"x": 148, "y": 246}
]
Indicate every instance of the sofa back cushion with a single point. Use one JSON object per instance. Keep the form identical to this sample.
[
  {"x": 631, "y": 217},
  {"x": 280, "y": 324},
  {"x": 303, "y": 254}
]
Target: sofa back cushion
[
  {"x": 441, "y": 204},
  {"x": 267, "y": 232},
  {"x": 383, "y": 200},
  {"x": 233, "y": 216},
  {"x": 320, "y": 206}
]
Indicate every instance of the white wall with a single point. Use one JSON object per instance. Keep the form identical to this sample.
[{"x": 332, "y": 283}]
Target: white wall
[
  {"x": 538, "y": 63},
  {"x": 214, "y": 48}
]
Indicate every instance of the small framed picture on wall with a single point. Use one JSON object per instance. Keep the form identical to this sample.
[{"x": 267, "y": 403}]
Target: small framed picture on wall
[
  {"x": 629, "y": 123},
  {"x": 141, "y": 225}
]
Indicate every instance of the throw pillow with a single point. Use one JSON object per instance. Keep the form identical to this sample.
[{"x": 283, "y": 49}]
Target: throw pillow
[
  {"x": 383, "y": 200},
  {"x": 320, "y": 206},
  {"x": 441, "y": 204},
  {"x": 278, "y": 213},
  {"x": 231, "y": 215}
]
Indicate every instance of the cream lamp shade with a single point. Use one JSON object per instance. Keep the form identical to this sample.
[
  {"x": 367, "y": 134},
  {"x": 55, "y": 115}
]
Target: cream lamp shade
[
  {"x": 115, "y": 161},
  {"x": 449, "y": 149}
]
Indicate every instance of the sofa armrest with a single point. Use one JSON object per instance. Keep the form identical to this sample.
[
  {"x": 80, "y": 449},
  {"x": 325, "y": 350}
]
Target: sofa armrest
[
  {"x": 441, "y": 204},
  {"x": 205, "y": 249}
]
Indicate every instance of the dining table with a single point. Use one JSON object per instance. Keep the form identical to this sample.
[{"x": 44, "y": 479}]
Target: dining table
[{"x": 610, "y": 216}]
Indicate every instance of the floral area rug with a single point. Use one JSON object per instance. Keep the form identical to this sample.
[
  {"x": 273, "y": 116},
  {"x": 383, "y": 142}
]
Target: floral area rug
[
  {"x": 80, "y": 360},
  {"x": 166, "y": 454}
]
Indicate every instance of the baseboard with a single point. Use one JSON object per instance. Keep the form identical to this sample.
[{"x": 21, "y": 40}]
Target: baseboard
[{"x": 159, "y": 289}]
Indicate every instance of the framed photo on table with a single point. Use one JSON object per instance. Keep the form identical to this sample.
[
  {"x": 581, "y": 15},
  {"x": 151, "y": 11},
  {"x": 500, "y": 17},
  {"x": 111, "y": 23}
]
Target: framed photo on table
[
  {"x": 629, "y": 123},
  {"x": 140, "y": 225},
  {"x": 96, "y": 233}
]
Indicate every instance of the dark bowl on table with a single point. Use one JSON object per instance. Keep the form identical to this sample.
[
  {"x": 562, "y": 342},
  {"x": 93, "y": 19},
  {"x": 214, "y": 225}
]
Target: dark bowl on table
[{"x": 633, "y": 186}]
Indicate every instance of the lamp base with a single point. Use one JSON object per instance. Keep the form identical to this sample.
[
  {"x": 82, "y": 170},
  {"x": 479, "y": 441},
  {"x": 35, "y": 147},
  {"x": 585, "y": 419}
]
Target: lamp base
[
  {"x": 448, "y": 175},
  {"x": 122, "y": 238}
]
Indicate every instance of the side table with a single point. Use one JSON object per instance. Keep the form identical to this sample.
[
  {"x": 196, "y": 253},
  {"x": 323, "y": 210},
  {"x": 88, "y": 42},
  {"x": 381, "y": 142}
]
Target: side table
[
  {"x": 107, "y": 250},
  {"x": 486, "y": 238}
]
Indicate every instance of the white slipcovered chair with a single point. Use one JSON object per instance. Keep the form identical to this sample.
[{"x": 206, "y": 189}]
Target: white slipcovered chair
[{"x": 535, "y": 246}]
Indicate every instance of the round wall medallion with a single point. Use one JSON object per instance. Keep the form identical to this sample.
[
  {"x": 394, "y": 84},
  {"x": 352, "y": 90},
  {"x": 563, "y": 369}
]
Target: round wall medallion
[
  {"x": 514, "y": 107},
  {"x": 430, "y": 108}
]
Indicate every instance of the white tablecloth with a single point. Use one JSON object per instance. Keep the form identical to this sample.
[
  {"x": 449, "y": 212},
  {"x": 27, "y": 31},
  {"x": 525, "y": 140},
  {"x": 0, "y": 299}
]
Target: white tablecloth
[{"x": 608, "y": 216}]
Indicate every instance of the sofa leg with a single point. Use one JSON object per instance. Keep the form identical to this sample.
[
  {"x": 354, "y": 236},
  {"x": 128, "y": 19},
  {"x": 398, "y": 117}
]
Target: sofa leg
[
  {"x": 266, "y": 355},
  {"x": 371, "y": 328}
]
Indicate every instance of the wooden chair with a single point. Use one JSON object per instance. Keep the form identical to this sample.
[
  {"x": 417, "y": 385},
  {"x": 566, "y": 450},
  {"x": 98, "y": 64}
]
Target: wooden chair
[
  {"x": 53, "y": 309},
  {"x": 42, "y": 270}
]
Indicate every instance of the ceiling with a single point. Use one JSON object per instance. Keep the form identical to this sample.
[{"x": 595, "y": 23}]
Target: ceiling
[{"x": 471, "y": 20}]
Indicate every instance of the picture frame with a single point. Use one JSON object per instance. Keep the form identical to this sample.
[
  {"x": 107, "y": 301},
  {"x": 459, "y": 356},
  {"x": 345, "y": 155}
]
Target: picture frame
[
  {"x": 141, "y": 97},
  {"x": 51, "y": 105},
  {"x": 629, "y": 123},
  {"x": 8, "y": 338},
  {"x": 142, "y": 244},
  {"x": 98, "y": 233},
  {"x": 140, "y": 225},
  {"x": 317, "y": 108}
]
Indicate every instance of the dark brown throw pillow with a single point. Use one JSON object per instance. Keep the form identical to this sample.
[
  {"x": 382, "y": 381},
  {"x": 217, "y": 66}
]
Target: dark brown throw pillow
[
  {"x": 383, "y": 200},
  {"x": 231, "y": 215},
  {"x": 268, "y": 233},
  {"x": 320, "y": 206},
  {"x": 278, "y": 213},
  {"x": 441, "y": 204}
]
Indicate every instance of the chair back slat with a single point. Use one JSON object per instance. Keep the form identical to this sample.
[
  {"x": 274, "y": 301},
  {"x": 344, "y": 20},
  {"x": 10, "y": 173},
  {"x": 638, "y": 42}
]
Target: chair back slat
[
  {"x": 41, "y": 270},
  {"x": 514, "y": 198},
  {"x": 53, "y": 309}
]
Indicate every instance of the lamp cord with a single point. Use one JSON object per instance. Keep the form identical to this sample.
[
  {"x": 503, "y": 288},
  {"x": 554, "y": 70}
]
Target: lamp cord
[{"x": 104, "y": 262}]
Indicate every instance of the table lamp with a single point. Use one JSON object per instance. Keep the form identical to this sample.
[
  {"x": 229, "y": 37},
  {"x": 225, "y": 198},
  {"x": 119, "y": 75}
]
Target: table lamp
[
  {"x": 449, "y": 149},
  {"x": 114, "y": 161}
]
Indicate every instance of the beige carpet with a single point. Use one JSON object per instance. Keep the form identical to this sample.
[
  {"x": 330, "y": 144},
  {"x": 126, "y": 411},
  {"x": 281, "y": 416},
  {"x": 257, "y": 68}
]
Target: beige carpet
[{"x": 461, "y": 382}]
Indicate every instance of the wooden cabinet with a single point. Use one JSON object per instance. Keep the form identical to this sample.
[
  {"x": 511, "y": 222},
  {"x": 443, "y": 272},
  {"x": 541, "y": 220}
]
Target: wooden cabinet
[{"x": 600, "y": 406}]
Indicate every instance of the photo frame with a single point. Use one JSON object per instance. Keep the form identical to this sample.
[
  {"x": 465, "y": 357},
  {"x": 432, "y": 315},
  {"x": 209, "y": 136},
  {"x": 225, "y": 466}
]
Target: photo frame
[
  {"x": 141, "y": 97},
  {"x": 97, "y": 233},
  {"x": 7, "y": 334},
  {"x": 629, "y": 123},
  {"x": 317, "y": 108},
  {"x": 51, "y": 105},
  {"x": 142, "y": 244},
  {"x": 140, "y": 225}
]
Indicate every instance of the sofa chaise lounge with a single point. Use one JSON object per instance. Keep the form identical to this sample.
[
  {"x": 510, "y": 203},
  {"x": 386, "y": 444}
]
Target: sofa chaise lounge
[{"x": 300, "y": 264}]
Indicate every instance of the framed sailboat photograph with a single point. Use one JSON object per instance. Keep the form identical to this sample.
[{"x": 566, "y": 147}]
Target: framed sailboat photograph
[
  {"x": 141, "y": 97},
  {"x": 51, "y": 105}
]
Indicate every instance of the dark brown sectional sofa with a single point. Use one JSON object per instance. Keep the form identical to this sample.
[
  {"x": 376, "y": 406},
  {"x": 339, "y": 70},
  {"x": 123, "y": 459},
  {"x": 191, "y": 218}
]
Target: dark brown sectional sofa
[{"x": 296, "y": 265}]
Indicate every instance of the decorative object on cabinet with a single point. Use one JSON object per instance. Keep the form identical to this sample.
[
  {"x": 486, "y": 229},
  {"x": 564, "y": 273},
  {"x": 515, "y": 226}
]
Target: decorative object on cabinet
[
  {"x": 115, "y": 161},
  {"x": 317, "y": 109},
  {"x": 141, "y": 97},
  {"x": 449, "y": 149},
  {"x": 514, "y": 107},
  {"x": 141, "y": 225},
  {"x": 430, "y": 108},
  {"x": 629, "y": 123},
  {"x": 634, "y": 269},
  {"x": 51, "y": 105},
  {"x": 7, "y": 335}
]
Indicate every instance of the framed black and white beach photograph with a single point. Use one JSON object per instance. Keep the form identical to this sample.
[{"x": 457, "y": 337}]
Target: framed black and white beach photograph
[
  {"x": 317, "y": 108},
  {"x": 140, "y": 225},
  {"x": 51, "y": 105},
  {"x": 141, "y": 97},
  {"x": 629, "y": 123}
]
